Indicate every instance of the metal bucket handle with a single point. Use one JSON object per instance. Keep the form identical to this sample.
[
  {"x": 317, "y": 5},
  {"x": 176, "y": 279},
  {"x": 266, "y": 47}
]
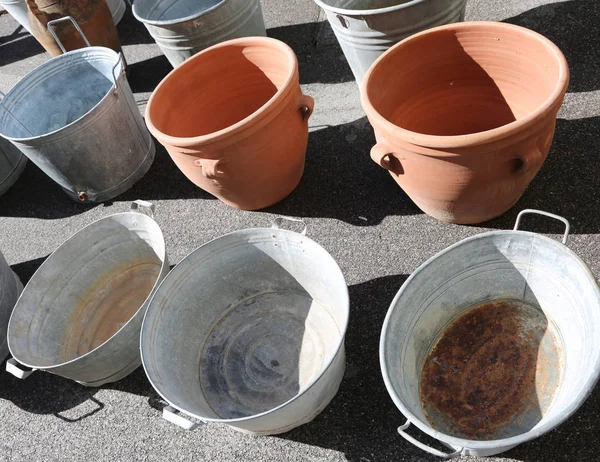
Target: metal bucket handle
[
  {"x": 277, "y": 223},
  {"x": 139, "y": 205},
  {"x": 12, "y": 367},
  {"x": 423, "y": 446},
  {"x": 172, "y": 415},
  {"x": 53, "y": 32},
  {"x": 546, "y": 214}
]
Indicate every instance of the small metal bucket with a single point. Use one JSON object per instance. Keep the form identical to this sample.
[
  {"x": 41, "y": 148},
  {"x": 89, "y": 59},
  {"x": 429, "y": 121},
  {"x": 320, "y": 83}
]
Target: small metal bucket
[
  {"x": 12, "y": 164},
  {"x": 117, "y": 9},
  {"x": 10, "y": 289},
  {"x": 18, "y": 10},
  {"x": 248, "y": 330},
  {"x": 182, "y": 28},
  {"x": 500, "y": 266},
  {"x": 75, "y": 118},
  {"x": 365, "y": 29},
  {"x": 80, "y": 314}
]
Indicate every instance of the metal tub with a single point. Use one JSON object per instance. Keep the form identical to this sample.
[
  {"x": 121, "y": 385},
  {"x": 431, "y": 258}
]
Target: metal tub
[
  {"x": 248, "y": 330},
  {"x": 75, "y": 117},
  {"x": 80, "y": 314},
  {"x": 182, "y": 28},
  {"x": 367, "y": 28},
  {"x": 10, "y": 289},
  {"x": 500, "y": 266}
]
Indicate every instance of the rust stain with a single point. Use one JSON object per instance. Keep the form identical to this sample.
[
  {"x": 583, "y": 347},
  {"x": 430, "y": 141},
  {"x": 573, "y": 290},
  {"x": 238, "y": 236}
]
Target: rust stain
[
  {"x": 493, "y": 373},
  {"x": 107, "y": 305}
]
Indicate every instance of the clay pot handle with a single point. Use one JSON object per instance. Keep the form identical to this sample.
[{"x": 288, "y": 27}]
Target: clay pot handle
[
  {"x": 306, "y": 104},
  {"x": 380, "y": 154},
  {"x": 210, "y": 168},
  {"x": 528, "y": 160}
]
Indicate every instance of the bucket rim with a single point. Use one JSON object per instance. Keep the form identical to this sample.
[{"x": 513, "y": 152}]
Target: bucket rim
[
  {"x": 256, "y": 118},
  {"x": 339, "y": 347},
  {"x": 171, "y": 22},
  {"x": 553, "y": 101},
  {"x": 125, "y": 325},
  {"x": 371, "y": 11},
  {"x": 456, "y": 442},
  {"x": 80, "y": 51}
]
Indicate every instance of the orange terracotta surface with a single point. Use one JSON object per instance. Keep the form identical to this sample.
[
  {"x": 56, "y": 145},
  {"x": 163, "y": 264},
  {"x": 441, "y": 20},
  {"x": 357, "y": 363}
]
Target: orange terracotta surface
[
  {"x": 234, "y": 120},
  {"x": 464, "y": 115},
  {"x": 93, "y": 16}
]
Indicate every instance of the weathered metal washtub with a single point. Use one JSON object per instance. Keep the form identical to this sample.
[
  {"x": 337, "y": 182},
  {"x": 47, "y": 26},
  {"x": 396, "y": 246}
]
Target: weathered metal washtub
[
  {"x": 10, "y": 289},
  {"x": 80, "y": 314},
  {"x": 75, "y": 117},
  {"x": 181, "y": 28},
  {"x": 248, "y": 330},
  {"x": 367, "y": 28},
  {"x": 552, "y": 292},
  {"x": 12, "y": 164}
]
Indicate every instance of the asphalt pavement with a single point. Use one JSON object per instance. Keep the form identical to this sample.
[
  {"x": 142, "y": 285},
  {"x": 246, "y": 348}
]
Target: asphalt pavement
[{"x": 353, "y": 208}]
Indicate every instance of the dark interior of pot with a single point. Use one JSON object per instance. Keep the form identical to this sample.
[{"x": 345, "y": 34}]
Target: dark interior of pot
[
  {"x": 218, "y": 89},
  {"x": 464, "y": 80}
]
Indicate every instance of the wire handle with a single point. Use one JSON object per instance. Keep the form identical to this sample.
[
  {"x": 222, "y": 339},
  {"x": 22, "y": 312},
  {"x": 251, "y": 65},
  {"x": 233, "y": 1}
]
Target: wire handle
[
  {"x": 50, "y": 27},
  {"x": 546, "y": 214}
]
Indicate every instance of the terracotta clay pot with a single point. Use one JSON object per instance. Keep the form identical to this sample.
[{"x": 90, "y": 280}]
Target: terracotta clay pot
[
  {"x": 234, "y": 120},
  {"x": 464, "y": 115},
  {"x": 93, "y": 16}
]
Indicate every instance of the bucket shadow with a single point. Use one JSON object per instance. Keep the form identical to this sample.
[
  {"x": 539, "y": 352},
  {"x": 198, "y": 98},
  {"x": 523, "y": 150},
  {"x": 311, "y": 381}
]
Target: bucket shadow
[
  {"x": 567, "y": 184},
  {"x": 320, "y": 58},
  {"x": 18, "y": 44},
  {"x": 144, "y": 76},
  {"x": 133, "y": 32},
  {"x": 25, "y": 270},
  {"x": 341, "y": 181},
  {"x": 569, "y": 25}
]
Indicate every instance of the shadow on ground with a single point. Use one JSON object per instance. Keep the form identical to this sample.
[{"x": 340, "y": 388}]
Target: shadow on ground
[
  {"x": 567, "y": 184},
  {"x": 17, "y": 46},
  {"x": 573, "y": 27},
  {"x": 26, "y": 269},
  {"x": 341, "y": 181}
]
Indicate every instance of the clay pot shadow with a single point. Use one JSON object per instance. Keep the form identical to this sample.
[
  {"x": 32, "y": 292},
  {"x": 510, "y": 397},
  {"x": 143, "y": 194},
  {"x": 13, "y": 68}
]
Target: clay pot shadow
[
  {"x": 144, "y": 76},
  {"x": 320, "y": 58},
  {"x": 341, "y": 181},
  {"x": 567, "y": 184},
  {"x": 572, "y": 26}
]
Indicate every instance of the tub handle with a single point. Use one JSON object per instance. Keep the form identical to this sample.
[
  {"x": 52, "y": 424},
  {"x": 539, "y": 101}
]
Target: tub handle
[
  {"x": 382, "y": 154},
  {"x": 12, "y": 367},
  {"x": 277, "y": 223},
  {"x": 172, "y": 415},
  {"x": 546, "y": 214},
  {"x": 12, "y": 115},
  {"x": 307, "y": 105},
  {"x": 115, "y": 77},
  {"x": 53, "y": 32},
  {"x": 423, "y": 446},
  {"x": 210, "y": 168},
  {"x": 149, "y": 207}
]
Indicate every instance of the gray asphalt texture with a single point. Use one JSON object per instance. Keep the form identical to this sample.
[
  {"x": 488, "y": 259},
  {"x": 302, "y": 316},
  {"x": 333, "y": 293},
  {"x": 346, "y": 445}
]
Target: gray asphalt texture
[{"x": 353, "y": 209}]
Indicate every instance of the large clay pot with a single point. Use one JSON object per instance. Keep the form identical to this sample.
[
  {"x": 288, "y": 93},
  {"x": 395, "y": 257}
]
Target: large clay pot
[
  {"x": 93, "y": 16},
  {"x": 235, "y": 121},
  {"x": 464, "y": 115}
]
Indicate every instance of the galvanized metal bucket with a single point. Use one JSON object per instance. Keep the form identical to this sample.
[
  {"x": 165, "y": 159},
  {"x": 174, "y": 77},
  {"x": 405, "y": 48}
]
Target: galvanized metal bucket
[
  {"x": 12, "y": 164},
  {"x": 75, "y": 117},
  {"x": 248, "y": 330},
  {"x": 18, "y": 10},
  {"x": 519, "y": 266},
  {"x": 182, "y": 28},
  {"x": 10, "y": 289},
  {"x": 367, "y": 28},
  {"x": 117, "y": 9},
  {"x": 80, "y": 314}
]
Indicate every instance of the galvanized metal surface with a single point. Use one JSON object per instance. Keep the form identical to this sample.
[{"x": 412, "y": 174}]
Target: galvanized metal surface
[
  {"x": 493, "y": 373},
  {"x": 365, "y": 29},
  {"x": 10, "y": 289},
  {"x": 181, "y": 28},
  {"x": 248, "y": 330},
  {"x": 117, "y": 9},
  {"x": 12, "y": 164},
  {"x": 80, "y": 314},
  {"x": 75, "y": 117},
  {"x": 494, "y": 266},
  {"x": 18, "y": 10}
]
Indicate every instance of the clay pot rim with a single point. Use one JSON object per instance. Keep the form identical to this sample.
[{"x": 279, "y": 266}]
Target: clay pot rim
[
  {"x": 257, "y": 117},
  {"x": 371, "y": 11},
  {"x": 478, "y": 138},
  {"x": 158, "y": 22}
]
